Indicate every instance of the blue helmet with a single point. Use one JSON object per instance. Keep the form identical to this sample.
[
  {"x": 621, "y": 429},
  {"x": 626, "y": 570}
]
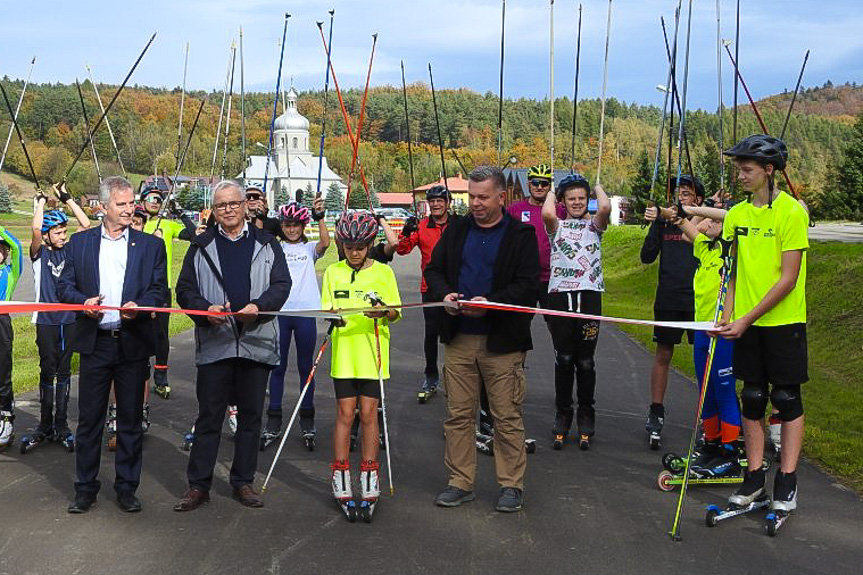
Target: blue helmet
[
  {"x": 52, "y": 219},
  {"x": 574, "y": 180}
]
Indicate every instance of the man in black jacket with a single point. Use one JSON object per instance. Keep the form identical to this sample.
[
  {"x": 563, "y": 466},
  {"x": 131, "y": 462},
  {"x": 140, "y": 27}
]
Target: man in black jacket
[
  {"x": 675, "y": 300},
  {"x": 487, "y": 255}
]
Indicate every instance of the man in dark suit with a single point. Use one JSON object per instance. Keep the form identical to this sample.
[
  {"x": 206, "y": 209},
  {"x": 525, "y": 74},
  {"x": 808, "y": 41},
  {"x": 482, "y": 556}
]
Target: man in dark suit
[{"x": 112, "y": 265}]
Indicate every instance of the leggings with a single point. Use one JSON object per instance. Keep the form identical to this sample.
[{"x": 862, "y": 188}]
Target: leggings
[
  {"x": 432, "y": 316},
  {"x": 721, "y": 412},
  {"x": 305, "y": 332}
]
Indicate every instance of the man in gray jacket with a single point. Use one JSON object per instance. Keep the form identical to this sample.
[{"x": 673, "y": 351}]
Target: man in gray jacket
[{"x": 232, "y": 267}]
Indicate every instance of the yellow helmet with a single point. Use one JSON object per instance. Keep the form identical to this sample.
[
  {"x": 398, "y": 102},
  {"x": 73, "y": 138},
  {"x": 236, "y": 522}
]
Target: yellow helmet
[{"x": 539, "y": 171}]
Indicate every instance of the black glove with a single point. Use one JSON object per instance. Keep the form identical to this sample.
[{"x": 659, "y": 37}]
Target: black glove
[
  {"x": 411, "y": 225},
  {"x": 380, "y": 218},
  {"x": 174, "y": 208},
  {"x": 318, "y": 216},
  {"x": 62, "y": 193}
]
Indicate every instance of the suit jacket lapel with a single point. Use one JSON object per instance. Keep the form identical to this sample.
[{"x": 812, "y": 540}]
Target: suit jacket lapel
[
  {"x": 95, "y": 239},
  {"x": 133, "y": 250}
]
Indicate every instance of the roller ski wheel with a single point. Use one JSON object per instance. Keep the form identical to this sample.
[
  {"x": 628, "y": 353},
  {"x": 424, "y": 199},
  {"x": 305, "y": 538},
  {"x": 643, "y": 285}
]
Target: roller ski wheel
[
  {"x": 665, "y": 480},
  {"x": 715, "y": 514},
  {"x": 673, "y": 462},
  {"x": 268, "y": 439},
  {"x": 163, "y": 391},
  {"x": 428, "y": 390},
  {"x": 530, "y": 445},
  {"x": 559, "y": 441},
  {"x": 161, "y": 387},
  {"x": 66, "y": 438},
  {"x": 307, "y": 428},
  {"x": 655, "y": 441},
  {"x": 774, "y": 520},
  {"x": 485, "y": 444},
  {"x": 31, "y": 442},
  {"x": 349, "y": 508},
  {"x": 188, "y": 440},
  {"x": 584, "y": 442},
  {"x": 367, "y": 510}
]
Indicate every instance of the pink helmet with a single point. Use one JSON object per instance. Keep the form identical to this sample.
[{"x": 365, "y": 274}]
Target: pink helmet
[
  {"x": 294, "y": 212},
  {"x": 356, "y": 228}
]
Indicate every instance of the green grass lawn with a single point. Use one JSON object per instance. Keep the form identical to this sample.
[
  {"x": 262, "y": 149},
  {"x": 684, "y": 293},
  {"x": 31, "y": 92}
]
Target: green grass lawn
[{"x": 834, "y": 290}]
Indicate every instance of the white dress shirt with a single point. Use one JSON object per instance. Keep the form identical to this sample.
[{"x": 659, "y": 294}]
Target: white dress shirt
[
  {"x": 113, "y": 254},
  {"x": 240, "y": 236}
]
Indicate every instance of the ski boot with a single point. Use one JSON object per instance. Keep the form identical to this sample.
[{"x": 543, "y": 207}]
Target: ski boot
[
  {"x": 342, "y": 489},
  {"x": 7, "y": 429},
  {"x": 145, "y": 419},
  {"x": 562, "y": 423},
  {"x": 585, "y": 420},
  {"x": 44, "y": 433},
  {"x": 369, "y": 488},
  {"x": 784, "y": 501},
  {"x": 188, "y": 440},
  {"x": 485, "y": 433},
  {"x": 429, "y": 388},
  {"x": 161, "y": 387},
  {"x": 273, "y": 429},
  {"x": 717, "y": 461},
  {"x": 775, "y": 426},
  {"x": 307, "y": 427},
  {"x": 66, "y": 438},
  {"x": 653, "y": 425},
  {"x": 750, "y": 496},
  {"x": 232, "y": 419},
  {"x": 111, "y": 427}
]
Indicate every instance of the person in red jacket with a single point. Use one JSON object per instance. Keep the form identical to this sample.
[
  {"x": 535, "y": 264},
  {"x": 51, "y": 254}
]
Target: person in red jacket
[{"x": 425, "y": 234}]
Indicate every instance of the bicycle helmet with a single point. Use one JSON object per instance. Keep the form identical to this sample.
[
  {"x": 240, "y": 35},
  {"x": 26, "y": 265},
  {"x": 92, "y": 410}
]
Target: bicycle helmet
[
  {"x": 52, "y": 219},
  {"x": 356, "y": 228},
  {"x": 574, "y": 180},
  {"x": 294, "y": 212},
  {"x": 541, "y": 171},
  {"x": 761, "y": 148},
  {"x": 438, "y": 192}
]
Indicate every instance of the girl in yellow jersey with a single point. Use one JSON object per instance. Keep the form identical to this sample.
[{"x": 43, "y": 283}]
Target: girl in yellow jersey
[{"x": 354, "y": 365}]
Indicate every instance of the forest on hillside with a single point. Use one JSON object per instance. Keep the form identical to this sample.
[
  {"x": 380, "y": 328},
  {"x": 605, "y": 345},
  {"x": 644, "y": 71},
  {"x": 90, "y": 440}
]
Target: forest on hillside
[{"x": 145, "y": 123}]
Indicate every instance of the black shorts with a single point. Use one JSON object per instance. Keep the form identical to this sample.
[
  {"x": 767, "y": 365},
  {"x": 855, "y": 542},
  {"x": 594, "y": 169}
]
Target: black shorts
[
  {"x": 776, "y": 354},
  {"x": 354, "y": 387},
  {"x": 672, "y": 335}
]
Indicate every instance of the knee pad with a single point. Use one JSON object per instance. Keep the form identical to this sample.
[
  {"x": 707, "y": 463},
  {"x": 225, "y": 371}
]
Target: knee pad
[
  {"x": 753, "y": 397},
  {"x": 564, "y": 360},
  {"x": 585, "y": 364},
  {"x": 788, "y": 399}
]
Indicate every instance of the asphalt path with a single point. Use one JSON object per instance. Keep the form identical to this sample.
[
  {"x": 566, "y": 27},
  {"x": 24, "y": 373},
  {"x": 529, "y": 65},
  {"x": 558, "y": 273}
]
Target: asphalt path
[{"x": 589, "y": 512}]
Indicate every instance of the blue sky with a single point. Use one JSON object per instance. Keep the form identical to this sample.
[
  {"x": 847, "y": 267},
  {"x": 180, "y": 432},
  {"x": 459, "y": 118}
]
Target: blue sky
[{"x": 461, "y": 38}]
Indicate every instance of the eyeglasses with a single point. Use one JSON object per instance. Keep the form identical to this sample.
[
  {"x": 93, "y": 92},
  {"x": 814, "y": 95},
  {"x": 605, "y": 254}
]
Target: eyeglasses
[
  {"x": 153, "y": 199},
  {"x": 225, "y": 206},
  {"x": 540, "y": 183},
  {"x": 254, "y": 197}
]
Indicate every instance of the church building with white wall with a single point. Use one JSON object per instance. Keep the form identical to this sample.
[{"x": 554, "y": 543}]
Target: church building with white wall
[{"x": 292, "y": 165}]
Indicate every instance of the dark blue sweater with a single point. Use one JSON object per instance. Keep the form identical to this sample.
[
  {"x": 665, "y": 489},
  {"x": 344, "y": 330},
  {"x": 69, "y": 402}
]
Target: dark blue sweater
[{"x": 235, "y": 259}]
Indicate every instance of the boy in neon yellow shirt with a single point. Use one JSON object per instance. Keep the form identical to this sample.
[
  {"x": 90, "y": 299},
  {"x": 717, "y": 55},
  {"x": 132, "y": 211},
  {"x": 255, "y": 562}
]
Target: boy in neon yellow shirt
[
  {"x": 766, "y": 313},
  {"x": 354, "y": 365}
]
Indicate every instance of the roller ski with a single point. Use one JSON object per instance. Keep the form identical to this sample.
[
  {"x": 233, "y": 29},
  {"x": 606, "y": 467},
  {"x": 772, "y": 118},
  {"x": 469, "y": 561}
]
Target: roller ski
[
  {"x": 562, "y": 424},
  {"x": 355, "y": 430},
  {"x": 111, "y": 427},
  {"x": 750, "y": 496},
  {"x": 188, "y": 440},
  {"x": 429, "y": 388},
  {"x": 42, "y": 434},
  {"x": 585, "y": 420},
  {"x": 273, "y": 429},
  {"x": 232, "y": 419},
  {"x": 784, "y": 502},
  {"x": 369, "y": 489},
  {"x": 307, "y": 427},
  {"x": 653, "y": 425},
  {"x": 145, "y": 419},
  {"x": 721, "y": 470},
  {"x": 342, "y": 489},
  {"x": 7, "y": 429},
  {"x": 485, "y": 436},
  {"x": 161, "y": 387}
]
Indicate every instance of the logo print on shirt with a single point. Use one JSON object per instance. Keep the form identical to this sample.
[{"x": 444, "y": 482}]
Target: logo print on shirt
[
  {"x": 341, "y": 294},
  {"x": 525, "y": 217},
  {"x": 57, "y": 269}
]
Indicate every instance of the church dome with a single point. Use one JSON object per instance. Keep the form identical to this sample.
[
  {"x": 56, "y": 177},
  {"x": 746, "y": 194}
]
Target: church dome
[{"x": 292, "y": 120}]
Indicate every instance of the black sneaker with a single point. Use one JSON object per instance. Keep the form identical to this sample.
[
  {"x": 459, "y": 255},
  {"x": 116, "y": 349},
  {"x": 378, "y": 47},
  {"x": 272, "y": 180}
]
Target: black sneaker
[
  {"x": 511, "y": 500},
  {"x": 655, "y": 418},
  {"x": 453, "y": 497}
]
